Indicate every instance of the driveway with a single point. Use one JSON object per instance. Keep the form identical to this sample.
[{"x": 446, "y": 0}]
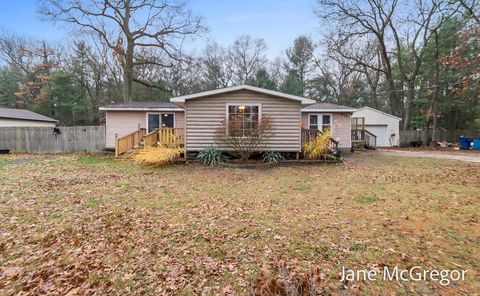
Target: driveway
[{"x": 467, "y": 156}]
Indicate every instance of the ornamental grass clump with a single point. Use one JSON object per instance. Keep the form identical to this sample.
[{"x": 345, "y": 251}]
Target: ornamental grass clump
[
  {"x": 211, "y": 156},
  {"x": 315, "y": 149},
  {"x": 272, "y": 157},
  {"x": 156, "y": 156}
]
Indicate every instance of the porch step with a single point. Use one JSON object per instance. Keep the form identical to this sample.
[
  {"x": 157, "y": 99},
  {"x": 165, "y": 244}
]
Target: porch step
[{"x": 359, "y": 144}]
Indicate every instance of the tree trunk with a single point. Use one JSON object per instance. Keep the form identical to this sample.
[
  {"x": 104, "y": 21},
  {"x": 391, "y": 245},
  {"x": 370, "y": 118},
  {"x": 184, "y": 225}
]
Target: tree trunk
[
  {"x": 393, "y": 100},
  {"x": 128, "y": 73},
  {"x": 408, "y": 104},
  {"x": 375, "y": 98},
  {"x": 435, "y": 93},
  {"x": 426, "y": 126},
  {"x": 434, "y": 128}
]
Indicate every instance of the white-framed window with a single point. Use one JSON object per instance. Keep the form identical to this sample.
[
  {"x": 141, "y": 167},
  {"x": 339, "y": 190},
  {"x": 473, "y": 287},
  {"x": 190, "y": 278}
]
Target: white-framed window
[
  {"x": 242, "y": 118},
  {"x": 157, "y": 120},
  {"x": 321, "y": 121}
]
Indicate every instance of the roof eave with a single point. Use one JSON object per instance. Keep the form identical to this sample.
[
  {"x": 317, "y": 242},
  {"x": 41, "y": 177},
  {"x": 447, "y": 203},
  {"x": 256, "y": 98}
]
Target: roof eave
[
  {"x": 330, "y": 110},
  {"x": 139, "y": 109},
  {"x": 30, "y": 119}
]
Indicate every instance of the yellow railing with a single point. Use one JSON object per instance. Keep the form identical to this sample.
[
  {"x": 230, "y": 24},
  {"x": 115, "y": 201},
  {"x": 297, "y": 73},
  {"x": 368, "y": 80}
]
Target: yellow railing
[
  {"x": 128, "y": 142},
  {"x": 165, "y": 136},
  {"x": 172, "y": 136},
  {"x": 151, "y": 139}
]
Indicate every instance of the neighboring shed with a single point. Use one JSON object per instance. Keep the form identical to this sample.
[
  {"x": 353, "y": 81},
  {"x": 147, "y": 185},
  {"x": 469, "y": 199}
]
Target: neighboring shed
[
  {"x": 122, "y": 119},
  {"x": 332, "y": 116},
  {"x": 21, "y": 117},
  {"x": 205, "y": 112},
  {"x": 383, "y": 125}
]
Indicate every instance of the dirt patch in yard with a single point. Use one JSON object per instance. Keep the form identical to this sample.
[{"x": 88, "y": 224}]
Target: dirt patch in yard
[{"x": 89, "y": 224}]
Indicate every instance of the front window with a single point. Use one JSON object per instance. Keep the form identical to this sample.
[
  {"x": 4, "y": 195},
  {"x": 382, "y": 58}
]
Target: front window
[{"x": 242, "y": 119}]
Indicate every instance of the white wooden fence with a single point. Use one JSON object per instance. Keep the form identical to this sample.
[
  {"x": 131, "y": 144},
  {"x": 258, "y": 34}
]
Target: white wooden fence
[{"x": 53, "y": 140}]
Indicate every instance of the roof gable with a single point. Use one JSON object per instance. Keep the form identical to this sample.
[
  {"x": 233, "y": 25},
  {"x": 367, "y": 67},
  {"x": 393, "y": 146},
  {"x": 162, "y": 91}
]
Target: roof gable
[
  {"x": 327, "y": 107},
  {"x": 378, "y": 111},
  {"x": 182, "y": 99}
]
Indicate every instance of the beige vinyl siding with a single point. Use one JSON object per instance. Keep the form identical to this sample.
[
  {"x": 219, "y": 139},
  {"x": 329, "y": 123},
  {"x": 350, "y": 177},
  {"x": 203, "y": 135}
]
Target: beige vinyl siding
[
  {"x": 341, "y": 128},
  {"x": 205, "y": 115},
  {"x": 125, "y": 122},
  {"x": 4, "y": 122}
]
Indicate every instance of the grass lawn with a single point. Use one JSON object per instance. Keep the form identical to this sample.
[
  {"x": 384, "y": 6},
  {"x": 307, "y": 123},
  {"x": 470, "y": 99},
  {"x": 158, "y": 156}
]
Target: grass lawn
[{"x": 86, "y": 224}]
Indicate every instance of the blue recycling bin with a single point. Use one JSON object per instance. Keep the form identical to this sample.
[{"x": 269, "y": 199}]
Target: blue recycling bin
[
  {"x": 464, "y": 142},
  {"x": 476, "y": 144}
]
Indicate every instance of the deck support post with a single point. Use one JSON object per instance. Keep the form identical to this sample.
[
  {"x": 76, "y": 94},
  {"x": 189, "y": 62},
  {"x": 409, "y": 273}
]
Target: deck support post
[
  {"x": 297, "y": 156},
  {"x": 116, "y": 145}
]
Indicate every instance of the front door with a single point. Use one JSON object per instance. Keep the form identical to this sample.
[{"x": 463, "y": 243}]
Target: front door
[
  {"x": 157, "y": 120},
  {"x": 320, "y": 122}
]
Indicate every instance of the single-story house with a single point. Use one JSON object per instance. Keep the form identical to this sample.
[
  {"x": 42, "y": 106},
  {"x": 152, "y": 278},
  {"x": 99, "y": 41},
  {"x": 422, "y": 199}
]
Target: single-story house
[
  {"x": 125, "y": 118},
  {"x": 384, "y": 126},
  {"x": 201, "y": 114},
  {"x": 10, "y": 117}
]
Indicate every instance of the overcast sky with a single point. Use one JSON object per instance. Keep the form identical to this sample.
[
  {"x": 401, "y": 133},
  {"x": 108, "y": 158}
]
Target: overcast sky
[{"x": 276, "y": 21}]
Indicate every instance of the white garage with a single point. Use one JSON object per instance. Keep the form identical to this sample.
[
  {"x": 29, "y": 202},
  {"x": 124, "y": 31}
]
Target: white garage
[{"x": 383, "y": 125}]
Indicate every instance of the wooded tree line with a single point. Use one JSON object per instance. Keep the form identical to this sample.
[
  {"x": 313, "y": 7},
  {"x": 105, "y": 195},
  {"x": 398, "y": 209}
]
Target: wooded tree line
[{"x": 415, "y": 59}]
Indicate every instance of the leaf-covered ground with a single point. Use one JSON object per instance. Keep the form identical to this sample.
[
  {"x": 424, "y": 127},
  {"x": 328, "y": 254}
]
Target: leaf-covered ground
[{"x": 89, "y": 224}]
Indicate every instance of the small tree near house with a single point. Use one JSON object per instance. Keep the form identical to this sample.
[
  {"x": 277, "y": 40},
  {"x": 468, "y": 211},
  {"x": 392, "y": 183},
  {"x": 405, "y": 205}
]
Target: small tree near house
[{"x": 243, "y": 136}]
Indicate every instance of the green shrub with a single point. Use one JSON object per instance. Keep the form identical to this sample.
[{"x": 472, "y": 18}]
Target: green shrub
[
  {"x": 272, "y": 157},
  {"x": 211, "y": 156}
]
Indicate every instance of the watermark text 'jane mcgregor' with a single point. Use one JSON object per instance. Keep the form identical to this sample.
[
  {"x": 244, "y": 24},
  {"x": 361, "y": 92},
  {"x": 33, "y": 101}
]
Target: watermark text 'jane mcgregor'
[{"x": 445, "y": 276}]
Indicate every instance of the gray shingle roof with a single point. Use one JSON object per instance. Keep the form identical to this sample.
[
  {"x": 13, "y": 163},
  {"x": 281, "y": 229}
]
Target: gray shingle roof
[
  {"x": 328, "y": 106},
  {"x": 23, "y": 114},
  {"x": 142, "y": 105}
]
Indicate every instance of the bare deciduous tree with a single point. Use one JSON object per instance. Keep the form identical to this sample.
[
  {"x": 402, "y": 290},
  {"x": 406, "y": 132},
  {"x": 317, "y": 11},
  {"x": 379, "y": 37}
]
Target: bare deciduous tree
[
  {"x": 368, "y": 20},
  {"x": 245, "y": 57},
  {"x": 215, "y": 66},
  {"x": 127, "y": 25}
]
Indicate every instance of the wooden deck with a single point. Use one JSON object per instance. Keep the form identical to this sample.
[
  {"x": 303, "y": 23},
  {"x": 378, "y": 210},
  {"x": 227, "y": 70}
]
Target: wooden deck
[
  {"x": 129, "y": 142},
  {"x": 165, "y": 137},
  {"x": 169, "y": 137}
]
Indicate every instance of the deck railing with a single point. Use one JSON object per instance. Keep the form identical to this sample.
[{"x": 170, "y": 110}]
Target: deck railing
[
  {"x": 369, "y": 139},
  {"x": 128, "y": 141},
  {"x": 165, "y": 136},
  {"x": 151, "y": 139},
  {"x": 311, "y": 135}
]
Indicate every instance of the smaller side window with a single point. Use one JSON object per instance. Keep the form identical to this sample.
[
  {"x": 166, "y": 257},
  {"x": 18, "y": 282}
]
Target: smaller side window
[
  {"x": 313, "y": 122},
  {"x": 326, "y": 122}
]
